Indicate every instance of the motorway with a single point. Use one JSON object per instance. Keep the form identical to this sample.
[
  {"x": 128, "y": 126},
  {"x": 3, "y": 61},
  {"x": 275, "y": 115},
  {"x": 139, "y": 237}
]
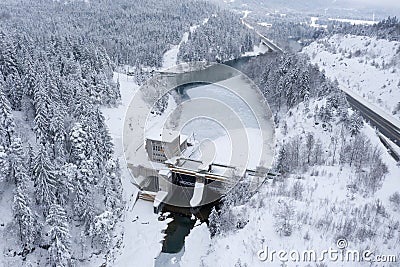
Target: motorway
[{"x": 384, "y": 126}]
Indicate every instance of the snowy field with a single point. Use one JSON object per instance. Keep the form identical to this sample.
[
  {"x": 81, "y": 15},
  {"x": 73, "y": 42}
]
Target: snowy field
[
  {"x": 355, "y": 21},
  {"x": 364, "y": 67}
]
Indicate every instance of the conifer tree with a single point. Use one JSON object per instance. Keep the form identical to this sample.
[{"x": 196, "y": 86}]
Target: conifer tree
[
  {"x": 44, "y": 178},
  {"x": 355, "y": 123},
  {"x": 42, "y": 113},
  {"x": 24, "y": 217},
  {"x": 59, "y": 251},
  {"x": 7, "y": 126},
  {"x": 18, "y": 172}
]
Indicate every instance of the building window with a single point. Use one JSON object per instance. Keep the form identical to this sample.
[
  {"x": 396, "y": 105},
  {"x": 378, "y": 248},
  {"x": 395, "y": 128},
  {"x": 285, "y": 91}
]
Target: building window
[{"x": 157, "y": 148}]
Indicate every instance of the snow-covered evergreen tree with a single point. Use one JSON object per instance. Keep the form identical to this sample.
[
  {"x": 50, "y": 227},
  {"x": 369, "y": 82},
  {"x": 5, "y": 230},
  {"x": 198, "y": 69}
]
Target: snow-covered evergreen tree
[
  {"x": 355, "y": 123},
  {"x": 80, "y": 147},
  {"x": 225, "y": 218},
  {"x": 284, "y": 217},
  {"x": 59, "y": 250},
  {"x": 28, "y": 226},
  {"x": 57, "y": 132},
  {"x": 44, "y": 178},
  {"x": 7, "y": 126},
  {"x": 282, "y": 160},
  {"x": 42, "y": 112},
  {"x": 15, "y": 90},
  {"x": 4, "y": 164},
  {"x": 18, "y": 172},
  {"x": 112, "y": 187},
  {"x": 100, "y": 230}
]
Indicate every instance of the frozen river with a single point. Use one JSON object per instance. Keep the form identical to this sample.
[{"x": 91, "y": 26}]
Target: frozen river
[{"x": 229, "y": 119}]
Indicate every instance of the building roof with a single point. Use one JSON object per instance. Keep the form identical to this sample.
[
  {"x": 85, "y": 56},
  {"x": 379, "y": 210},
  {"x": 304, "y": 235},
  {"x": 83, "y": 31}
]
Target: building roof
[{"x": 167, "y": 136}]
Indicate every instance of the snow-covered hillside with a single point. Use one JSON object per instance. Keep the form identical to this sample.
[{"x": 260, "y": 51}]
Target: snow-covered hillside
[
  {"x": 362, "y": 65},
  {"x": 319, "y": 206}
]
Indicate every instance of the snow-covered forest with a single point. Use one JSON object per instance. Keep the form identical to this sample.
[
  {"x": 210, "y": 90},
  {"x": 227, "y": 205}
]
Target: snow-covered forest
[
  {"x": 131, "y": 32},
  {"x": 61, "y": 173},
  {"x": 388, "y": 28},
  {"x": 222, "y": 38},
  {"x": 57, "y": 164}
]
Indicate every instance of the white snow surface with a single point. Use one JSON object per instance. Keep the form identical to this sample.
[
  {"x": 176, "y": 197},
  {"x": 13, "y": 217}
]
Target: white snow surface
[
  {"x": 198, "y": 241},
  {"x": 393, "y": 146},
  {"x": 314, "y": 23},
  {"x": 366, "y": 68},
  {"x": 259, "y": 49},
  {"x": 140, "y": 228},
  {"x": 355, "y": 21},
  {"x": 170, "y": 57},
  {"x": 264, "y": 24}
]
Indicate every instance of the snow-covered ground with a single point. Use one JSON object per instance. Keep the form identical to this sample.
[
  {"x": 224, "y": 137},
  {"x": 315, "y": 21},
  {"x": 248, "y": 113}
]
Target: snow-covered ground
[
  {"x": 364, "y": 67},
  {"x": 140, "y": 229},
  {"x": 394, "y": 148},
  {"x": 170, "y": 57},
  {"x": 198, "y": 243},
  {"x": 355, "y": 21},
  {"x": 314, "y": 23},
  {"x": 265, "y": 24},
  {"x": 257, "y": 50}
]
